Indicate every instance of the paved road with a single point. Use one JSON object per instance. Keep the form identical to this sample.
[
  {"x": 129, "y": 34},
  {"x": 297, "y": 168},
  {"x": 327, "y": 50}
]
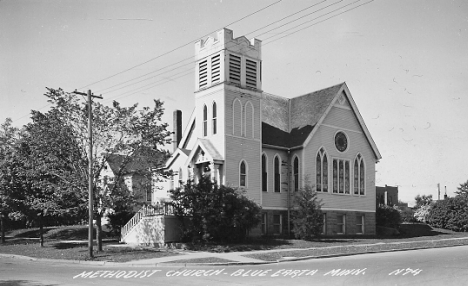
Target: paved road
[{"x": 440, "y": 266}]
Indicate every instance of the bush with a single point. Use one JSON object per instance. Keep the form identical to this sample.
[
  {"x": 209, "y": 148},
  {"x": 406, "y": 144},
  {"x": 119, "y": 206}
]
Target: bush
[
  {"x": 422, "y": 213},
  {"x": 451, "y": 213},
  {"x": 307, "y": 217},
  {"x": 387, "y": 216},
  {"x": 407, "y": 214},
  {"x": 216, "y": 213}
]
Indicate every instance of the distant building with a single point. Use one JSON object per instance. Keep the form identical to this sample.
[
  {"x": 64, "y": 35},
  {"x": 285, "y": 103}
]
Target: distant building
[{"x": 387, "y": 195}]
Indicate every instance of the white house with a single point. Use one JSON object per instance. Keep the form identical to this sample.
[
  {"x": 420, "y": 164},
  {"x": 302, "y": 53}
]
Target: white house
[{"x": 270, "y": 145}]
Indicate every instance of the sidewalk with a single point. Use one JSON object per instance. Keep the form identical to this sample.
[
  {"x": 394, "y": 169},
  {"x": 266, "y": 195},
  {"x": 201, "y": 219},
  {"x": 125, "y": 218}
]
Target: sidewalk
[
  {"x": 185, "y": 258},
  {"x": 282, "y": 255}
]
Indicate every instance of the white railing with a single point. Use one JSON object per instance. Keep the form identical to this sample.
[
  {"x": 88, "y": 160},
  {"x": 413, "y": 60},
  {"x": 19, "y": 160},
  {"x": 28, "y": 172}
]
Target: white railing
[{"x": 149, "y": 210}]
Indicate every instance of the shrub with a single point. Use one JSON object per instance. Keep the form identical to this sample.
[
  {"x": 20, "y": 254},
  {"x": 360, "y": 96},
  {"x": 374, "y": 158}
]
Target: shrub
[
  {"x": 422, "y": 213},
  {"x": 215, "y": 212},
  {"x": 451, "y": 213},
  {"x": 388, "y": 216},
  {"x": 307, "y": 217}
]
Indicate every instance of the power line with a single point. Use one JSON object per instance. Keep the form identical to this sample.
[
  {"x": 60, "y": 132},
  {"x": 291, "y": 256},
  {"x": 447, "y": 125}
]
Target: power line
[
  {"x": 101, "y": 90},
  {"x": 156, "y": 84},
  {"x": 272, "y": 23},
  {"x": 306, "y": 15},
  {"x": 184, "y": 45},
  {"x": 323, "y": 19}
]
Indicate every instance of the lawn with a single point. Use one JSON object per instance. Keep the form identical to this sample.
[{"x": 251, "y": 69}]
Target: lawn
[{"x": 71, "y": 243}]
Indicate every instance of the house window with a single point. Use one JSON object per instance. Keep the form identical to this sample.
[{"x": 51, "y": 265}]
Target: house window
[
  {"x": 359, "y": 176},
  {"x": 360, "y": 224},
  {"x": 205, "y": 120},
  {"x": 341, "y": 224},
  {"x": 148, "y": 194},
  {"x": 321, "y": 171},
  {"x": 341, "y": 176},
  {"x": 251, "y": 73},
  {"x": 277, "y": 224},
  {"x": 243, "y": 174},
  {"x": 324, "y": 227},
  {"x": 264, "y": 223},
  {"x": 214, "y": 118},
  {"x": 296, "y": 174},
  {"x": 277, "y": 175},
  {"x": 264, "y": 174}
]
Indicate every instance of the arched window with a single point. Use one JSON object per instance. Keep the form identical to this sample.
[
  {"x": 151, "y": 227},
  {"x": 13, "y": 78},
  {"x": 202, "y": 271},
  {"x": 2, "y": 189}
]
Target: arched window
[
  {"x": 277, "y": 174},
  {"x": 205, "y": 120},
  {"x": 359, "y": 176},
  {"x": 215, "y": 116},
  {"x": 321, "y": 168},
  {"x": 243, "y": 174},
  {"x": 249, "y": 120},
  {"x": 296, "y": 174},
  {"x": 264, "y": 174},
  {"x": 237, "y": 117}
]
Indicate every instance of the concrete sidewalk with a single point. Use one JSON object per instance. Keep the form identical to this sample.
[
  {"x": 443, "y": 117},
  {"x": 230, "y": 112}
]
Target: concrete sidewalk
[
  {"x": 293, "y": 254},
  {"x": 185, "y": 257}
]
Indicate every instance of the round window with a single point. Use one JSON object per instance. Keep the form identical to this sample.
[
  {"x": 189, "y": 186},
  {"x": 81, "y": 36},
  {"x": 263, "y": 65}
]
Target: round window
[{"x": 341, "y": 141}]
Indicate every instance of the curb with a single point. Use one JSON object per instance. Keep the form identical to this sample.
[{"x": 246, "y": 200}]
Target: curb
[{"x": 423, "y": 244}]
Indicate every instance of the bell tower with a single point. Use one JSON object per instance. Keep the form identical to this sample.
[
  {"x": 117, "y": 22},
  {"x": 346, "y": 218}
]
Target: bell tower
[{"x": 223, "y": 59}]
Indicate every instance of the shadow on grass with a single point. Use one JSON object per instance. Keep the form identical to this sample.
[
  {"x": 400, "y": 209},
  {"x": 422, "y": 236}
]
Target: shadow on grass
[
  {"x": 22, "y": 283},
  {"x": 68, "y": 245}
]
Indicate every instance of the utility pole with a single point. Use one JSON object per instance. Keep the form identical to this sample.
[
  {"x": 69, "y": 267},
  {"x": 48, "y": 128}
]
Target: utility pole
[{"x": 90, "y": 171}]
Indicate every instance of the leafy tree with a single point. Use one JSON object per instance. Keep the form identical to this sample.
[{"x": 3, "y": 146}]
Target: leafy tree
[
  {"x": 463, "y": 189},
  {"x": 451, "y": 213},
  {"x": 8, "y": 137},
  {"x": 44, "y": 170},
  {"x": 307, "y": 217},
  {"x": 214, "y": 212},
  {"x": 126, "y": 131},
  {"x": 423, "y": 200}
]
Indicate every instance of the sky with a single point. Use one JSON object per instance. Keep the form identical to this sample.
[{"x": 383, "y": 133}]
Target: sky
[{"x": 405, "y": 63}]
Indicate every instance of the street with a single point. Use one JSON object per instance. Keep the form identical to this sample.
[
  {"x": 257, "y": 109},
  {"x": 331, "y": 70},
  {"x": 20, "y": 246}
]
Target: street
[{"x": 440, "y": 266}]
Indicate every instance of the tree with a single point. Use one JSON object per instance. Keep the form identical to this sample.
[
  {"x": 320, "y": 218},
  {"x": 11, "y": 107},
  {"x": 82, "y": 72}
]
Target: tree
[
  {"x": 8, "y": 137},
  {"x": 451, "y": 213},
  {"x": 126, "y": 131},
  {"x": 307, "y": 217},
  {"x": 44, "y": 168},
  {"x": 214, "y": 212},
  {"x": 463, "y": 190},
  {"x": 423, "y": 200}
]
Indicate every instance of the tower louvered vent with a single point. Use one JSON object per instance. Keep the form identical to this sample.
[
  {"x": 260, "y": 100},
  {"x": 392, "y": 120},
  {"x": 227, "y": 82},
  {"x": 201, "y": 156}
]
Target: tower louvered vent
[
  {"x": 251, "y": 73},
  {"x": 203, "y": 74},
  {"x": 215, "y": 69},
  {"x": 234, "y": 69}
]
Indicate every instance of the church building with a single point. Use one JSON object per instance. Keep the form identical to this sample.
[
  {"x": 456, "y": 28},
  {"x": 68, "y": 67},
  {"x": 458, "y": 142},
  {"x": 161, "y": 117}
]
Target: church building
[{"x": 272, "y": 146}]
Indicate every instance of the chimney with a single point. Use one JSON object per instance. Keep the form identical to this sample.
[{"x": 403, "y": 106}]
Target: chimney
[{"x": 177, "y": 128}]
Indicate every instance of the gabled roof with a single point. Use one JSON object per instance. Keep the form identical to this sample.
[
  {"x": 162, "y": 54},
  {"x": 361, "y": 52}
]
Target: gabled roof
[
  {"x": 208, "y": 148},
  {"x": 291, "y": 123},
  {"x": 140, "y": 162}
]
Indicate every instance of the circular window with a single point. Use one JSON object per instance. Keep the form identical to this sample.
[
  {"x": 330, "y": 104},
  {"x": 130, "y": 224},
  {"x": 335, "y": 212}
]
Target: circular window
[{"x": 341, "y": 141}]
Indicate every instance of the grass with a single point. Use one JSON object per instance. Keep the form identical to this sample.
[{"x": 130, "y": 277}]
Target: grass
[{"x": 71, "y": 243}]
